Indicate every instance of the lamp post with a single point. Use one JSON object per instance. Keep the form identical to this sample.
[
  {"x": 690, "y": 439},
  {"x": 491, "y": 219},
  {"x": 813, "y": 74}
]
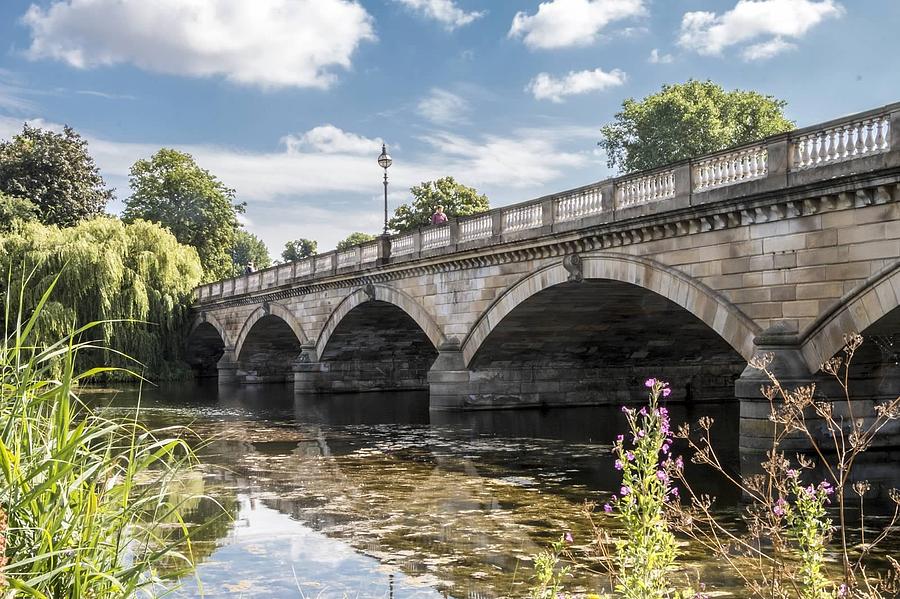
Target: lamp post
[{"x": 384, "y": 161}]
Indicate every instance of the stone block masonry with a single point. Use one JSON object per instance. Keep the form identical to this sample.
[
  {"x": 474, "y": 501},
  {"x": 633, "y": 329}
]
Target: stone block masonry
[{"x": 684, "y": 272}]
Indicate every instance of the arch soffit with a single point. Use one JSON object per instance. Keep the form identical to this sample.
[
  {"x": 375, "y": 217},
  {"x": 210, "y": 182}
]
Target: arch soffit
[
  {"x": 384, "y": 294},
  {"x": 863, "y": 307},
  {"x": 211, "y": 320},
  {"x": 732, "y": 325},
  {"x": 271, "y": 310}
]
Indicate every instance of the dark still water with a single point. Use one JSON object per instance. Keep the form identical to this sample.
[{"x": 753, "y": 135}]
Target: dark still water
[{"x": 371, "y": 496}]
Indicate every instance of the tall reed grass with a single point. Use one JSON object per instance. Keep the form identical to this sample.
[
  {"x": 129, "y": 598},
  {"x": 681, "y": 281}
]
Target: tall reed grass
[{"x": 84, "y": 498}]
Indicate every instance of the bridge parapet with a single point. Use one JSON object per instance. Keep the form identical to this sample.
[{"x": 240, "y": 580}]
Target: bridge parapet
[{"x": 859, "y": 143}]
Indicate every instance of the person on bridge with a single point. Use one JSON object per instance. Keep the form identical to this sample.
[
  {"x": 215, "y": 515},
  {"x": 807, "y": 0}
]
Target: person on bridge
[
  {"x": 249, "y": 268},
  {"x": 438, "y": 218}
]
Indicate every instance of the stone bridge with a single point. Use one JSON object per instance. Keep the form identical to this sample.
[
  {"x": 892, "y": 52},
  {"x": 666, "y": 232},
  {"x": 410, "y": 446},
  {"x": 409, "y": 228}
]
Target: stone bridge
[{"x": 682, "y": 272}]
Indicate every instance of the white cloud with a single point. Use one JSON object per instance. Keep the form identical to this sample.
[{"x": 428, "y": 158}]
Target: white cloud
[
  {"x": 708, "y": 33},
  {"x": 329, "y": 139},
  {"x": 269, "y": 43},
  {"x": 562, "y": 23},
  {"x": 445, "y": 12},
  {"x": 766, "y": 50},
  {"x": 657, "y": 58},
  {"x": 546, "y": 87},
  {"x": 443, "y": 107},
  {"x": 325, "y": 183}
]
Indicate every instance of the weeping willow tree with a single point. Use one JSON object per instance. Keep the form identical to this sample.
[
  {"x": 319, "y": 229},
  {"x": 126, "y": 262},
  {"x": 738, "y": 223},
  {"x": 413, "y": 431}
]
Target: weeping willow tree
[{"x": 136, "y": 275}]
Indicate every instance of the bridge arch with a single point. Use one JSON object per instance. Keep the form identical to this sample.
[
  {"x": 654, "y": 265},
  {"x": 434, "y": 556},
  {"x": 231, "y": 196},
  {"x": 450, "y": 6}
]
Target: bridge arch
[
  {"x": 707, "y": 305},
  {"x": 269, "y": 310},
  {"x": 268, "y": 344},
  {"x": 206, "y": 342},
  {"x": 871, "y": 302},
  {"x": 210, "y": 319},
  {"x": 381, "y": 293}
]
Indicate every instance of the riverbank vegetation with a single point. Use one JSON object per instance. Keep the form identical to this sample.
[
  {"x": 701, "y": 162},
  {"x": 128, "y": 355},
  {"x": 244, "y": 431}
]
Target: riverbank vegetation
[
  {"x": 85, "y": 502},
  {"x": 134, "y": 280},
  {"x": 802, "y": 531}
]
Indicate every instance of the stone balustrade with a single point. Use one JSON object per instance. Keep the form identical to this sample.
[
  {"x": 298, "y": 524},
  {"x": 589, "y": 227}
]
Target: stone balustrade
[
  {"x": 435, "y": 237},
  {"x": 478, "y": 227},
  {"x": 801, "y": 157},
  {"x": 519, "y": 218},
  {"x": 642, "y": 189},
  {"x": 369, "y": 253},
  {"x": 741, "y": 165},
  {"x": 579, "y": 204},
  {"x": 845, "y": 141}
]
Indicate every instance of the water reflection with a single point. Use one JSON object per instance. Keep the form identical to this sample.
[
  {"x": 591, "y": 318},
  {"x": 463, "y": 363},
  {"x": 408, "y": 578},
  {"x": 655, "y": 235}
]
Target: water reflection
[{"x": 370, "y": 496}]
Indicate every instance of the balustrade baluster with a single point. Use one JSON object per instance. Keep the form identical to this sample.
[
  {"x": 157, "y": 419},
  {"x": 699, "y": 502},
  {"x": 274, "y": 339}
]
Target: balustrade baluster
[
  {"x": 829, "y": 145},
  {"x": 860, "y": 145},
  {"x": 879, "y": 134},
  {"x": 869, "y": 142}
]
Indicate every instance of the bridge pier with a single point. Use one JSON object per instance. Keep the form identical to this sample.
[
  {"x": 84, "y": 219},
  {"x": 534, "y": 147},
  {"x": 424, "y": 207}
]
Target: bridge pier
[
  {"x": 757, "y": 431},
  {"x": 227, "y": 367}
]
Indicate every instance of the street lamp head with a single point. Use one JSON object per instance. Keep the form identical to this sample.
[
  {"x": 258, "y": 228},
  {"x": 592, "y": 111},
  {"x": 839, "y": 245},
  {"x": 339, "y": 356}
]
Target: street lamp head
[{"x": 384, "y": 161}]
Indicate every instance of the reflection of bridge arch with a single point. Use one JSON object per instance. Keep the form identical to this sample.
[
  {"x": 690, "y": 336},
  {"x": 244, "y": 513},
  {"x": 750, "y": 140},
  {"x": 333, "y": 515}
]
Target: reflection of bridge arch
[
  {"x": 268, "y": 310},
  {"x": 862, "y": 308},
  {"x": 707, "y": 305},
  {"x": 386, "y": 294}
]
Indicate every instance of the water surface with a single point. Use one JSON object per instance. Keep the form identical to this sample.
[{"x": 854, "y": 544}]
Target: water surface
[{"x": 371, "y": 496}]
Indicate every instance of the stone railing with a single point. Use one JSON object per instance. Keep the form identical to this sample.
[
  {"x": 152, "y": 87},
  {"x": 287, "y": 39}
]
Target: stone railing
[
  {"x": 645, "y": 188},
  {"x": 577, "y": 205},
  {"x": 844, "y": 141},
  {"x": 864, "y": 141},
  {"x": 741, "y": 165},
  {"x": 435, "y": 237},
  {"x": 479, "y": 227}
]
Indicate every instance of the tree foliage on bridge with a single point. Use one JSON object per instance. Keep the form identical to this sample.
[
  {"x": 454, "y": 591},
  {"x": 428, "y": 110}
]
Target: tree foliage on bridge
[
  {"x": 55, "y": 172},
  {"x": 299, "y": 249},
  {"x": 248, "y": 248},
  {"x": 108, "y": 270},
  {"x": 354, "y": 239},
  {"x": 171, "y": 189},
  {"x": 686, "y": 120},
  {"x": 456, "y": 198}
]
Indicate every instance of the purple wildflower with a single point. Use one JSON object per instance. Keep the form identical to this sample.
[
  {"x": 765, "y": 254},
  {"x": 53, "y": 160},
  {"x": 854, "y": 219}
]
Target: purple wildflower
[
  {"x": 619, "y": 465},
  {"x": 607, "y": 508},
  {"x": 620, "y": 438},
  {"x": 661, "y": 475},
  {"x": 569, "y": 538},
  {"x": 649, "y": 383},
  {"x": 666, "y": 392},
  {"x": 624, "y": 491},
  {"x": 665, "y": 449},
  {"x": 780, "y": 506},
  {"x": 629, "y": 455}
]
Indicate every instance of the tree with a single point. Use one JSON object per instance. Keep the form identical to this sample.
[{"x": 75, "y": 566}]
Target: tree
[
  {"x": 55, "y": 172},
  {"x": 299, "y": 249},
  {"x": 456, "y": 198},
  {"x": 172, "y": 190},
  {"x": 109, "y": 271},
  {"x": 12, "y": 209},
  {"x": 354, "y": 239},
  {"x": 687, "y": 120},
  {"x": 248, "y": 248}
]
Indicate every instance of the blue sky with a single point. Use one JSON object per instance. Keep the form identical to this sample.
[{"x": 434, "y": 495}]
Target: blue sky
[{"x": 287, "y": 101}]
